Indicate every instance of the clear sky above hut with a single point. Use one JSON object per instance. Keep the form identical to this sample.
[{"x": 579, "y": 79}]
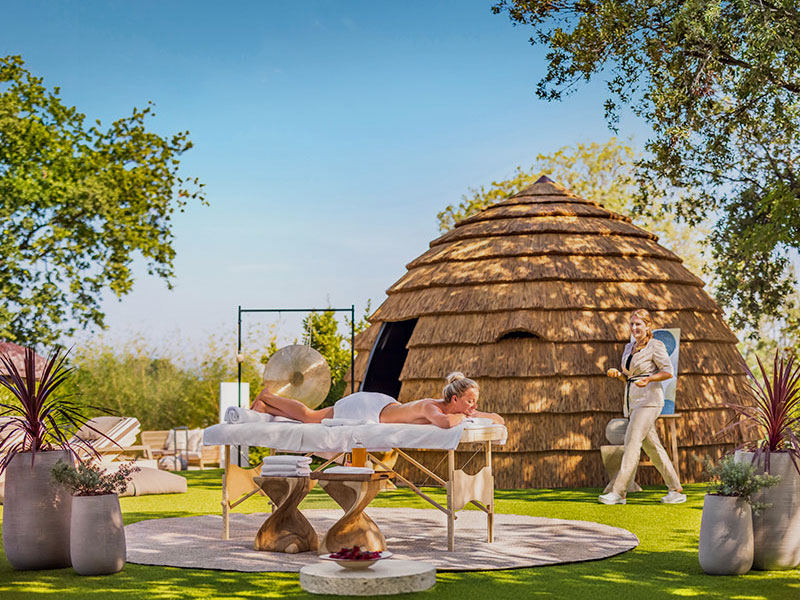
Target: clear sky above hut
[{"x": 328, "y": 134}]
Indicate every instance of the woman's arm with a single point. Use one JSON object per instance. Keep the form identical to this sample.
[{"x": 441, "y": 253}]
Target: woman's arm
[
  {"x": 434, "y": 414},
  {"x": 616, "y": 374},
  {"x": 493, "y": 416},
  {"x": 660, "y": 376}
]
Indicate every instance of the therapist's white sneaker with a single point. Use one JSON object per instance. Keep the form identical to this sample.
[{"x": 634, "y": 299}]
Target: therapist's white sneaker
[
  {"x": 674, "y": 498},
  {"x": 612, "y": 498}
]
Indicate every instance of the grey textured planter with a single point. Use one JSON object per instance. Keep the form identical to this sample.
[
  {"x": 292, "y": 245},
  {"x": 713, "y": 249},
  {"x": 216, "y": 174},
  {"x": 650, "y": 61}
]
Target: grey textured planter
[
  {"x": 776, "y": 530},
  {"x": 726, "y": 536},
  {"x": 97, "y": 544},
  {"x": 36, "y": 513}
]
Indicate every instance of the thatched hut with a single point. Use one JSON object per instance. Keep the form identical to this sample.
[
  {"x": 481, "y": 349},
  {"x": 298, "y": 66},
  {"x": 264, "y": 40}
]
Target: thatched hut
[{"x": 532, "y": 297}]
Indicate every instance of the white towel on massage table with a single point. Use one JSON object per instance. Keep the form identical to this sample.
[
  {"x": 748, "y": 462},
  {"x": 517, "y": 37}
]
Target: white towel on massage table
[
  {"x": 237, "y": 414},
  {"x": 344, "y": 422},
  {"x": 315, "y": 437}
]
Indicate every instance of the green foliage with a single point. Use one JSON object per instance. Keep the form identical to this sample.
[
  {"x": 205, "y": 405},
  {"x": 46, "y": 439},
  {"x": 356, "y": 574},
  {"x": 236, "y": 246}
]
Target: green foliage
[
  {"x": 77, "y": 203},
  {"x": 91, "y": 480},
  {"x": 603, "y": 173},
  {"x": 162, "y": 387},
  {"x": 774, "y": 335},
  {"x": 321, "y": 332},
  {"x": 731, "y": 478},
  {"x": 719, "y": 85}
]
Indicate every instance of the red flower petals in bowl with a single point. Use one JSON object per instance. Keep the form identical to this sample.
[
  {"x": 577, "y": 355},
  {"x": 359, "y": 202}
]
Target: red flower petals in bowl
[{"x": 355, "y": 558}]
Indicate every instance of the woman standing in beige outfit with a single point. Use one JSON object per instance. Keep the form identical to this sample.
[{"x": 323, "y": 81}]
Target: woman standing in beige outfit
[{"x": 645, "y": 364}]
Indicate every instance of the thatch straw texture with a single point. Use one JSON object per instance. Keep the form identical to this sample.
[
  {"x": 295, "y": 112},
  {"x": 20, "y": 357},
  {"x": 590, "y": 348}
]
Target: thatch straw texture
[{"x": 532, "y": 298}]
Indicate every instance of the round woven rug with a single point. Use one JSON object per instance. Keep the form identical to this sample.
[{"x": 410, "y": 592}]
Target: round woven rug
[{"x": 411, "y": 533}]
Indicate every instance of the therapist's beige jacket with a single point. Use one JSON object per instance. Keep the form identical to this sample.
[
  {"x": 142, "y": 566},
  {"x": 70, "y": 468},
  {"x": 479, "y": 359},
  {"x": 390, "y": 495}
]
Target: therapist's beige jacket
[{"x": 651, "y": 359}]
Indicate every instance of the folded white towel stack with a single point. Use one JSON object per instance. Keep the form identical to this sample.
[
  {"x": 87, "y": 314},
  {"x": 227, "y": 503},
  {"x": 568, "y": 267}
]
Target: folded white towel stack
[
  {"x": 344, "y": 422},
  {"x": 286, "y": 466}
]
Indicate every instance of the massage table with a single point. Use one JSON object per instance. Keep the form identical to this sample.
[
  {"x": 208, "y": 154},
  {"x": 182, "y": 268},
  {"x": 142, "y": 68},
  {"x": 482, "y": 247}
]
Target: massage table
[{"x": 314, "y": 438}]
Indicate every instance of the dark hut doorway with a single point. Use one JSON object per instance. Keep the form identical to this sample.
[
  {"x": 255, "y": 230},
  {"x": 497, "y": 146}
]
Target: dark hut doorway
[{"x": 388, "y": 357}]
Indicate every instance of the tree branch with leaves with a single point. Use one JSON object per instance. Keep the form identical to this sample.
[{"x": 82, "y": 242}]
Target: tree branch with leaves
[
  {"x": 719, "y": 84},
  {"x": 78, "y": 203}
]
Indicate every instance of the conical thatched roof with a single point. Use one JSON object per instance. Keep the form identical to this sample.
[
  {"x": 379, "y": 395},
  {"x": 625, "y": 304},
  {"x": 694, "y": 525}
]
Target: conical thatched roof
[{"x": 532, "y": 298}]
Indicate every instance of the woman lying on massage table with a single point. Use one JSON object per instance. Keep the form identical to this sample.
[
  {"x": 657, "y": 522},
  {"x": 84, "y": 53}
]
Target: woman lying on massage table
[{"x": 460, "y": 397}]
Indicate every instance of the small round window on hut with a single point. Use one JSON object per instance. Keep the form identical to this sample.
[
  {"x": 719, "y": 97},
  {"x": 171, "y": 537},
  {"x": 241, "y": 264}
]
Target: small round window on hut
[{"x": 519, "y": 334}]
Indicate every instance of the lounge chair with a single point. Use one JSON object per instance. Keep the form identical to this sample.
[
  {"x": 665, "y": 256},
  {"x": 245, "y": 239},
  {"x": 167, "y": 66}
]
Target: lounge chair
[
  {"x": 123, "y": 432},
  {"x": 181, "y": 443}
]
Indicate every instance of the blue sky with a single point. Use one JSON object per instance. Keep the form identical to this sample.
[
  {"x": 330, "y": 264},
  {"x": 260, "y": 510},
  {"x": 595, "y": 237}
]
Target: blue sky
[{"x": 328, "y": 134}]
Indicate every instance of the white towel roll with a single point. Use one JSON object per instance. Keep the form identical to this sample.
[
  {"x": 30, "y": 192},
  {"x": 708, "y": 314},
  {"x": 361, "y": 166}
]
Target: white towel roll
[{"x": 237, "y": 414}]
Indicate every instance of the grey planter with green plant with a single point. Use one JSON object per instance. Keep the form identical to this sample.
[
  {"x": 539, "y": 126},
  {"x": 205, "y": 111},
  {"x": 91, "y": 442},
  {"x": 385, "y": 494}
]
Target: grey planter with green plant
[
  {"x": 97, "y": 534},
  {"x": 726, "y": 530},
  {"x": 770, "y": 417},
  {"x": 36, "y": 511}
]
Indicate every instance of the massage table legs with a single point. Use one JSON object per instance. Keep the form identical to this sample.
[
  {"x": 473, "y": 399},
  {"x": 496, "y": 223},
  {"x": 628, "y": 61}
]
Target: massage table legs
[{"x": 462, "y": 489}]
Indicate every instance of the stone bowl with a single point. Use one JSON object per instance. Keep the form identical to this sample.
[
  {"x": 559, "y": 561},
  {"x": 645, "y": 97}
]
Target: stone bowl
[
  {"x": 356, "y": 564},
  {"x": 615, "y": 431}
]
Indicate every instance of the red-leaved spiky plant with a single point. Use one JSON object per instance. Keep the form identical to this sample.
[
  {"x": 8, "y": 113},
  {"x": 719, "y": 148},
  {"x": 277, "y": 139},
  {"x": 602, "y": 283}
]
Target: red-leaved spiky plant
[
  {"x": 36, "y": 422},
  {"x": 771, "y": 416}
]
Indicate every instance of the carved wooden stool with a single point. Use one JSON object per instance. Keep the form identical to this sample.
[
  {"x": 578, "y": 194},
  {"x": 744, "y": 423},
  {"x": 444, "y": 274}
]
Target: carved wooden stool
[
  {"x": 286, "y": 529},
  {"x": 353, "y": 492}
]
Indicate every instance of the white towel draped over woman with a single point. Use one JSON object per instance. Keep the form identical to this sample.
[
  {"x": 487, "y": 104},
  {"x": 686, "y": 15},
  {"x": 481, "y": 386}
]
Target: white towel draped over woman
[{"x": 459, "y": 401}]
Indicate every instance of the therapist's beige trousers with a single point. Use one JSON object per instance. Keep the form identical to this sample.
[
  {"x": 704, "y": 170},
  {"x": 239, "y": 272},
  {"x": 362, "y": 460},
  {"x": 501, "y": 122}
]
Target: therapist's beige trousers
[{"x": 642, "y": 434}]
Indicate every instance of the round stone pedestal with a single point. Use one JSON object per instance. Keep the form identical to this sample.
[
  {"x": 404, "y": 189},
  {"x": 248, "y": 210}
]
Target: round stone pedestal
[{"x": 388, "y": 576}]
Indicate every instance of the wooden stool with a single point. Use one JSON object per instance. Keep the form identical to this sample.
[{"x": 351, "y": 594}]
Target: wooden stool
[
  {"x": 286, "y": 529},
  {"x": 353, "y": 492}
]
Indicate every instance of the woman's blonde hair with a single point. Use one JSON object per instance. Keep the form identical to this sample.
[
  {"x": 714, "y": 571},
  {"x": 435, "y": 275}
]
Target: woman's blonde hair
[
  {"x": 457, "y": 384},
  {"x": 644, "y": 315}
]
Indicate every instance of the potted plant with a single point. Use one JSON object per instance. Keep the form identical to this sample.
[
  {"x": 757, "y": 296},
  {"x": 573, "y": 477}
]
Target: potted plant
[
  {"x": 770, "y": 417},
  {"x": 726, "y": 528},
  {"x": 36, "y": 512},
  {"x": 97, "y": 534}
]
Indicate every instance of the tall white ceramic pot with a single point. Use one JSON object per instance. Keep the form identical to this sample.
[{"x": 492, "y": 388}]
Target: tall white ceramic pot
[
  {"x": 726, "y": 536},
  {"x": 36, "y": 513},
  {"x": 97, "y": 544},
  {"x": 776, "y": 530}
]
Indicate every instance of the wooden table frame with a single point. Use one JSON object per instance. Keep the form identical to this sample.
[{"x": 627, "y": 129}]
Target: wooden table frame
[{"x": 462, "y": 489}]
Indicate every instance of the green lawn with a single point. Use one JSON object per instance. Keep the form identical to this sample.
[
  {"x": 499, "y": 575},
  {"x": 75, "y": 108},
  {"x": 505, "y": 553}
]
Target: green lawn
[{"x": 663, "y": 566}]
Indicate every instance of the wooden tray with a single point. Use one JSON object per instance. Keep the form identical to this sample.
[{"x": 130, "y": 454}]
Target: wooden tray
[{"x": 353, "y": 476}]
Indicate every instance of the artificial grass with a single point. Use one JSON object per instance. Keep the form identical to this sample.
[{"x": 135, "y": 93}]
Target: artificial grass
[{"x": 663, "y": 566}]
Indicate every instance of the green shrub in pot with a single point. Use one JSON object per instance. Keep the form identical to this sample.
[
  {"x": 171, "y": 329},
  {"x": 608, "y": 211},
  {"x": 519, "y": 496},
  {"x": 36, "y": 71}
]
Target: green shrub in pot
[
  {"x": 97, "y": 534},
  {"x": 726, "y": 529}
]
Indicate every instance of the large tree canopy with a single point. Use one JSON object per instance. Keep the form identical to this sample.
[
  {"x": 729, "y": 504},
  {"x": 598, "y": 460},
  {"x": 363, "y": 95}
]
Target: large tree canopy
[
  {"x": 77, "y": 204},
  {"x": 719, "y": 83}
]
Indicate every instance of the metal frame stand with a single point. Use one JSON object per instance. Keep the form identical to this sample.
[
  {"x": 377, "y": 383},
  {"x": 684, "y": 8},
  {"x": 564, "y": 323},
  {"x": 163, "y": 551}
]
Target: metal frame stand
[{"x": 351, "y": 310}]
